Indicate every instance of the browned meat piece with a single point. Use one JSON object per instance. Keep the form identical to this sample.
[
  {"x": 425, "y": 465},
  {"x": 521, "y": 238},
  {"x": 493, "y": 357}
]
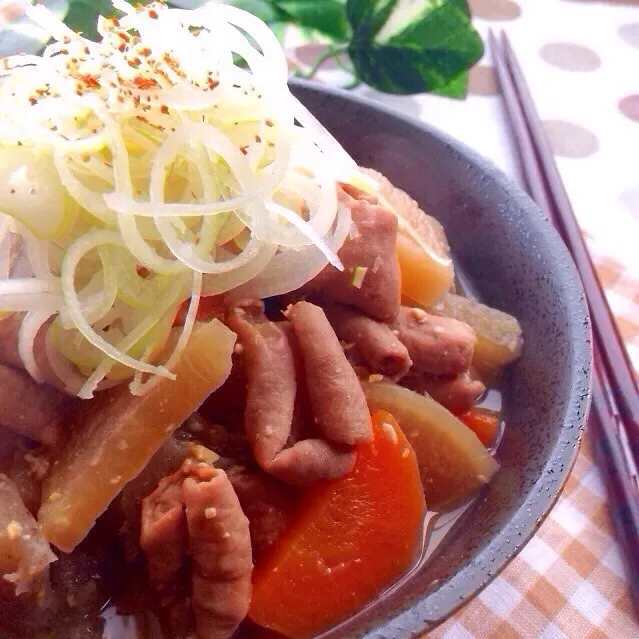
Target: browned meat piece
[
  {"x": 437, "y": 345},
  {"x": 371, "y": 246},
  {"x": 458, "y": 394},
  {"x": 270, "y": 404},
  {"x": 270, "y": 372},
  {"x": 163, "y": 537},
  {"x": 226, "y": 405},
  {"x": 26, "y": 468},
  {"x": 25, "y": 554},
  {"x": 220, "y": 548},
  {"x": 9, "y": 355},
  {"x": 338, "y": 402},
  {"x": 268, "y": 504},
  {"x": 9, "y": 328},
  {"x": 127, "y": 508},
  {"x": 231, "y": 446},
  {"x": 30, "y": 409},
  {"x": 374, "y": 342},
  {"x": 312, "y": 460}
]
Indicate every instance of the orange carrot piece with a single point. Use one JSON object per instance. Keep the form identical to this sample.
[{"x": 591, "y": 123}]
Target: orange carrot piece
[
  {"x": 351, "y": 538},
  {"x": 483, "y": 422},
  {"x": 211, "y": 307}
]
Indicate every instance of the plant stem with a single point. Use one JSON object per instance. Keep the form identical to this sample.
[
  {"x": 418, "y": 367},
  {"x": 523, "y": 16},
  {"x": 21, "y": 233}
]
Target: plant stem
[
  {"x": 330, "y": 52},
  {"x": 353, "y": 84}
]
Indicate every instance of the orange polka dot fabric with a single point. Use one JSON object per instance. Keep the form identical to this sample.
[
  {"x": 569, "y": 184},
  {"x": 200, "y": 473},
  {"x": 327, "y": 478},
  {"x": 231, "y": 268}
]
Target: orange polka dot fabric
[{"x": 581, "y": 60}]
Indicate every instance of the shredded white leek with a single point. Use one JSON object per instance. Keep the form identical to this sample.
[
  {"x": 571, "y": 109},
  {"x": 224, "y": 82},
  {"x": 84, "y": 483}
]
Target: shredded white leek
[{"x": 149, "y": 160}]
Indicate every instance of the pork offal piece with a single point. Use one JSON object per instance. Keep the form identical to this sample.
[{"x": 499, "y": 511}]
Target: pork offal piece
[
  {"x": 336, "y": 397},
  {"x": 458, "y": 394},
  {"x": 271, "y": 390},
  {"x": 10, "y": 356},
  {"x": 9, "y": 329},
  {"x": 268, "y": 503},
  {"x": 220, "y": 548},
  {"x": 437, "y": 345},
  {"x": 30, "y": 409},
  {"x": 25, "y": 554},
  {"x": 270, "y": 372},
  {"x": 371, "y": 279},
  {"x": 374, "y": 342},
  {"x": 163, "y": 536}
]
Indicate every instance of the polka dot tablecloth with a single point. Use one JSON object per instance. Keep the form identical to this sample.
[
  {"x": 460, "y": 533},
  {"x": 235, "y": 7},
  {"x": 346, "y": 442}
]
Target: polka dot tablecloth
[{"x": 581, "y": 60}]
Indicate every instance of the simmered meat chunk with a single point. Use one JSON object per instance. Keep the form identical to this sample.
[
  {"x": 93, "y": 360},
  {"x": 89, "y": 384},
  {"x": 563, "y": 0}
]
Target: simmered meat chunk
[
  {"x": 272, "y": 384},
  {"x": 371, "y": 279},
  {"x": 437, "y": 345},
  {"x": 375, "y": 343},
  {"x": 338, "y": 403},
  {"x": 34, "y": 410}
]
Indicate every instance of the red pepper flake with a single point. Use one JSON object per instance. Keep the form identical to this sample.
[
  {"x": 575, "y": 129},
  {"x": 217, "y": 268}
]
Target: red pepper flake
[
  {"x": 64, "y": 51},
  {"x": 244, "y": 149},
  {"x": 33, "y": 100},
  {"x": 136, "y": 100},
  {"x": 122, "y": 48},
  {"x": 153, "y": 14},
  {"x": 142, "y": 271},
  {"x": 269, "y": 123},
  {"x": 146, "y": 52},
  {"x": 144, "y": 83},
  {"x": 258, "y": 139},
  {"x": 213, "y": 83},
  {"x": 90, "y": 80},
  {"x": 164, "y": 109},
  {"x": 135, "y": 63},
  {"x": 87, "y": 50},
  {"x": 141, "y": 118},
  {"x": 12, "y": 191}
]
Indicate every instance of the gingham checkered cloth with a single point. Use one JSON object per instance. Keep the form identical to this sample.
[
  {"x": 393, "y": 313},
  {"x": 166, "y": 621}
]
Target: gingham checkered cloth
[{"x": 568, "y": 581}]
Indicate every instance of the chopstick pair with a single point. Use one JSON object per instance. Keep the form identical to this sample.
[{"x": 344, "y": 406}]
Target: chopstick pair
[{"x": 615, "y": 397}]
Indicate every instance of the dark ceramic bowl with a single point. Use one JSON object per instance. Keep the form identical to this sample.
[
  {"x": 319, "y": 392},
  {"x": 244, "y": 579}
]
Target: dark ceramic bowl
[{"x": 517, "y": 263}]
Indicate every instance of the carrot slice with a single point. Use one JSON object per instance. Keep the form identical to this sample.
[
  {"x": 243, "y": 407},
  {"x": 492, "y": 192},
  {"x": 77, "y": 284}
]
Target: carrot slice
[
  {"x": 483, "y": 422},
  {"x": 352, "y": 538}
]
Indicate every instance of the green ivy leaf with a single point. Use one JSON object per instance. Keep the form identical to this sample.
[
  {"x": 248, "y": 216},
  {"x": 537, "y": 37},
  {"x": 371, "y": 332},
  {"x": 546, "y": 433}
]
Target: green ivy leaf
[
  {"x": 456, "y": 88},
  {"x": 264, "y": 9},
  {"x": 82, "y": 16},
  {"x": 325, "y": 16},
  {"x": 367, "y": 17},
  {"x": 462, "y": 5},
  {"x": 403, "y": 47}
]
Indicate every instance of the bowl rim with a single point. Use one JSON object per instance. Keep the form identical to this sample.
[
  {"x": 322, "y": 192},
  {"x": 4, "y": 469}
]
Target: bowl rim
[{"x": 434, "y": 608}]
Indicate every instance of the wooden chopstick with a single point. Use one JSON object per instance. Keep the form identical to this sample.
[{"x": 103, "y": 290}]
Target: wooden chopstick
[
  {"x": 534, "y": 181},
  {"x": 614, "y": 355},
  {"x": 614, "y": 428}
]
